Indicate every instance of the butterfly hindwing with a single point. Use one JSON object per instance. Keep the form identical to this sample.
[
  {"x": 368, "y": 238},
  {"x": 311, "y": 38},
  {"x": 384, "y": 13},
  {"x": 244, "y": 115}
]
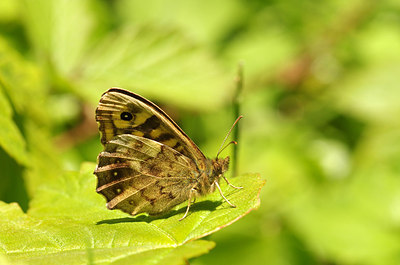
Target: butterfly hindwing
[{"x": 137, "y": 175}]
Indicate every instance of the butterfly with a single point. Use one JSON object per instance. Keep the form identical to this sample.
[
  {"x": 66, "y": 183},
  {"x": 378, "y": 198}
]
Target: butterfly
[{"x": 149, "y": 164}]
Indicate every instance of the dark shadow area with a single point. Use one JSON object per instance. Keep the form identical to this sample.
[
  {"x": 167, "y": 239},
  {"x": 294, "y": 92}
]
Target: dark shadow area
[
  {"x": 195, "y": 207},
  {"x": 12, "y": 188}
]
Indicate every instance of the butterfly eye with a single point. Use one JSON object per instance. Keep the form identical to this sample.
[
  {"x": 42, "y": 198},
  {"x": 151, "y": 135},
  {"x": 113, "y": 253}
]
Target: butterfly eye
[{"x": 126, "y": 116}]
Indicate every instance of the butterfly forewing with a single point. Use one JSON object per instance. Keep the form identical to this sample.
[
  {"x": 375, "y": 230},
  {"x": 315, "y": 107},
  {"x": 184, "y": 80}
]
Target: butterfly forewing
[
  {"x": 137, "y": 175},
  {"x": 123, "y": 112}
]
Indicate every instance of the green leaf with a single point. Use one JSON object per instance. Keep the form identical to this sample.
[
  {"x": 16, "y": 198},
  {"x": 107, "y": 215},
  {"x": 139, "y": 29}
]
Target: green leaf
[
  {"x": 6, "y": 261},
  {"x": 362, "y": 95},
  {"x": 19, "y": 84},
  {"x": 68, "y": 221},
  {"x": 155, "y": 62},
  {"x": 8, "y": 12},
  {"x": 59, "y": 29},
  {"x": 212, "y": 19},
  {"x": 171, "y": 255},
  {"x": 22, "y": 82},
  {"x": 247, "y": 49},
  {"x": 11, "y": 139}
]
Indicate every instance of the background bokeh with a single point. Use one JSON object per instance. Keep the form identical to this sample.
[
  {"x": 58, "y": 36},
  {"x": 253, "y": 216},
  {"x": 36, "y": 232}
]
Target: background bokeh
[{"x": 321, "y": 102}]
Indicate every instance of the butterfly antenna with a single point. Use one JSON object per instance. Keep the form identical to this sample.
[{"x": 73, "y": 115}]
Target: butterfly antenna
[{"x": 222, "y": 147}]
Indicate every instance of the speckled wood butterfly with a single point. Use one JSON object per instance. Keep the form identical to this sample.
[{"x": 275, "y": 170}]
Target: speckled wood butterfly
[{"x": 149, "y": 164}]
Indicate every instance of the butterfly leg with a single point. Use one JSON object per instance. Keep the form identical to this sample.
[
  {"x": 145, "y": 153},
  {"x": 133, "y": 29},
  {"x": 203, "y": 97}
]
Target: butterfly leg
[
  {"x": 192, "y": 190},
  {"x": 230, "y": 184},
  {"x": 220, "y": 192}
]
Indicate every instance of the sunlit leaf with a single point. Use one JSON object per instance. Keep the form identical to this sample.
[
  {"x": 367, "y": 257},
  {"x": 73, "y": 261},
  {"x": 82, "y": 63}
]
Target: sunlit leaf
[{"x": 68, "y": 221}]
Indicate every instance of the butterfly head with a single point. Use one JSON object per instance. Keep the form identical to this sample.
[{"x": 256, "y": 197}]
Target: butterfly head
[
  {"x": 225, "y": 164},
  {"x": 220, "y": 166},
  {"x": 217, "y": 167}
]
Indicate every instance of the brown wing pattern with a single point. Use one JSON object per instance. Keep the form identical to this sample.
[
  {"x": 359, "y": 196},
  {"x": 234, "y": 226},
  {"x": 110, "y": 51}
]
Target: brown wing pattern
[
  {"x": 123, "y": 112},
  {"x": 137, "y": 175}
]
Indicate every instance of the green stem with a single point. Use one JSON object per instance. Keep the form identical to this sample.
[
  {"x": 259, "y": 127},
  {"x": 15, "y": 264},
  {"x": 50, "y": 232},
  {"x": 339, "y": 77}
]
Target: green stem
[{"x": 236, "y": 110}]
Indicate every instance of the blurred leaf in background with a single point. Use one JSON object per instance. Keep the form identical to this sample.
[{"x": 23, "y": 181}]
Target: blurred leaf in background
[{"x": 320, "y": 103}]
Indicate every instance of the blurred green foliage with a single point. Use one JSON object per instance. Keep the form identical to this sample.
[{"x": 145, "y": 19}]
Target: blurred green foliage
[{"x": 320, "y": 101}]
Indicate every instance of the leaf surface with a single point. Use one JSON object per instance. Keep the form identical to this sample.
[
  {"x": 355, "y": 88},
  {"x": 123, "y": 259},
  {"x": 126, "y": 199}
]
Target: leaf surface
[{"x": 68, "y": 221}]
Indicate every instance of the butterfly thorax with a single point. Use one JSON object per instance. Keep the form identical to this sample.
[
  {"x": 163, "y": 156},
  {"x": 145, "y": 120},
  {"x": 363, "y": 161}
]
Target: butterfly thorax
[{"x": 215, "y": 169}]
